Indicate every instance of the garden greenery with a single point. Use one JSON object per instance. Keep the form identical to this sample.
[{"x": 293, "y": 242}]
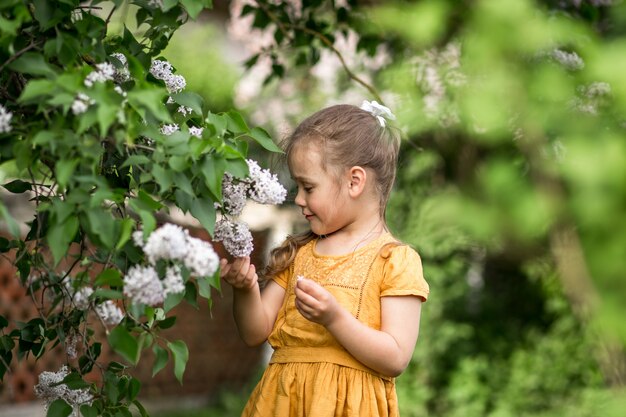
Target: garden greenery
[
  {"x": 511, "y": 184},
  {"x": 101, "y": 133}
]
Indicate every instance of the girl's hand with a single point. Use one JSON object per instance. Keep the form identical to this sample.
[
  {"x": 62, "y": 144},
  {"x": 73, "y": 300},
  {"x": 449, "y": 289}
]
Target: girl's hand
[
  {"x": 241, "y": 274},
  {"x": 315, "y": 303}
]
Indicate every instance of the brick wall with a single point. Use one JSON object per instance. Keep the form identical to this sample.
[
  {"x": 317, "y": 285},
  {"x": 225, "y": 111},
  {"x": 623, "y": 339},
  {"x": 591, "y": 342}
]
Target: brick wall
[{"x": 217, "y": 357}]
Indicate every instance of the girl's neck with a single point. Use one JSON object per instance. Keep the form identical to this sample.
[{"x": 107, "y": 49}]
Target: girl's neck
[{"x": 351, "y": 237}]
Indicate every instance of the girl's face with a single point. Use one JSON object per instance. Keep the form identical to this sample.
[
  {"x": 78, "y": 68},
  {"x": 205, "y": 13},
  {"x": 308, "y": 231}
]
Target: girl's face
[{"x": 321, "y": 196}]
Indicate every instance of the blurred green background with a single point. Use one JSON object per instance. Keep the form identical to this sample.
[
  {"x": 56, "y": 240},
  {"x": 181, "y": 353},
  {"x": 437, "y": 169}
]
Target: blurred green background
[{"x": 511, "y": 185}]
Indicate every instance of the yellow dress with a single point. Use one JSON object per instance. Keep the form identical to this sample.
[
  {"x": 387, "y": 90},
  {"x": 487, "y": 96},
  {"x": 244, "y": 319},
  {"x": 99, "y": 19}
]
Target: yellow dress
[{"x": 310, "y": 373}]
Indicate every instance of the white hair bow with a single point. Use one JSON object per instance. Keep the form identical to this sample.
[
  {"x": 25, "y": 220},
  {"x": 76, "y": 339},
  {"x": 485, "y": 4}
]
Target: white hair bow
[{"x": 379, "y": 111}]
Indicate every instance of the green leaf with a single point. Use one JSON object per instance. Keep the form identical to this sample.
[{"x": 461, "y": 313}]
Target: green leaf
[
  {"x": 133, "y": 388},
  {"x": 3, "y": 322},
  {"x": 181, "y": 356},
  {"x": 178, "y": 163},
  {"x": 189, "y": 99},
  {"x": 127, "y": 229},
  {"x": 88, "y": 410},
  {"x": 75, "y": 381},
  {"x": 218, "y": 121},
  {"x": 150, "y": 99},
  {"x": 204, "y": 211},
  {"x": 212, "y": 169},
  {"x": 64, "y": 168},
  {"x": 111, "y": 277},
  {"x": 59, "y": 408},
  {"x": 135, "y": 160},
  {"x": 102, "y": 227},
  {"x": 142, "y": 410},
  {"x": 235, "y": 122},
  {"x": 108, "y": 294},
  {"x": 167, "y": 323},
  {"x": 204, "y": 287},
  {"x": 194, "y": 7},
  {"x": 161, "y": 357},
  {"x": 172, "y": 300},
  {"x": 106, "y": 115},
  {"x": 33, "y": 63},
  {"x": 35, "y": 89},
  {"x": 162, "y": 177},
  {"x": 148, "y": 221},
  {"x": 238, "y": 167},
  {"x": 124, "y": 344},
  {"x": 17, "y": 186},
  {"x": 59, "y": 237},
  {"x": 12, "y": 225},
  {"x": 264, "y": 139}
]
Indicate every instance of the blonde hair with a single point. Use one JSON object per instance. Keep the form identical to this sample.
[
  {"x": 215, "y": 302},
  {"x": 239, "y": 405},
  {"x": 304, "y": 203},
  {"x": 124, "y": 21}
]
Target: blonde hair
[{"x": 346, "y": 136}]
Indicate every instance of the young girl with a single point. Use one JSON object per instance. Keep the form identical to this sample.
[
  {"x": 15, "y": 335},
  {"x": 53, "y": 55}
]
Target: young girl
[{"x": 341, "y": 307}]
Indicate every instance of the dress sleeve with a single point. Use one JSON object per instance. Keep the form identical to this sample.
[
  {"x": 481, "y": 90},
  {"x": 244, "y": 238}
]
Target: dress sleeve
[
  {"x": 282, "y": 278},
  {"x": 402, "y": 273}
]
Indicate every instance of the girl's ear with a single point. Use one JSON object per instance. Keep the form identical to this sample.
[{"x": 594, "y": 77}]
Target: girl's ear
[{"x": 357, "y": 178}]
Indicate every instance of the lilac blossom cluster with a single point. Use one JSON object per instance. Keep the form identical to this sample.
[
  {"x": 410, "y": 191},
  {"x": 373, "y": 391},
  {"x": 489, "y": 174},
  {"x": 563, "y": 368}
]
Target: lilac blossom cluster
[
  {"x": 171, "y": 243},
  {"x": 437, "y": 72},
  {"x": 5, "y": 120},
  {"x": 235, "y": 237},
  {"x": 121, "y": 75},
  {"x": 104, "y": 72},
  {"x": 162, "y": 70},
  {"x": 81, "y": 103},
  {"x": 261, "y": 186},
  {"x": 107, "y": 311},
  {"x": 50, "y": 388}
]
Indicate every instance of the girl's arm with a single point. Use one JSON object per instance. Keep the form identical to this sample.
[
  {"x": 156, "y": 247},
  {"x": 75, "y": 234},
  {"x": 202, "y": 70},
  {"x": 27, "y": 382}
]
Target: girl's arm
[
  {"x": 254, "y": 311},
  {"x": 387, "y": 350}
]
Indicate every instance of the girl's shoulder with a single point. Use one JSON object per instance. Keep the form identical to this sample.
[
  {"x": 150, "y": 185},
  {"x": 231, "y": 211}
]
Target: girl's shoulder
[{"x": 396, "y": 249}]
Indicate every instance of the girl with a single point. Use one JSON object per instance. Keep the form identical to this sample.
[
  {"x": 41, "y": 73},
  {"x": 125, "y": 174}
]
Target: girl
[{"x": 342, "y": 303}]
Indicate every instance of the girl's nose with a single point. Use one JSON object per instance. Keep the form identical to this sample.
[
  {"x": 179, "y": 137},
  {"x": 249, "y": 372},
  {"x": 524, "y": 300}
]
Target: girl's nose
[{"x": 299, "y": 199}]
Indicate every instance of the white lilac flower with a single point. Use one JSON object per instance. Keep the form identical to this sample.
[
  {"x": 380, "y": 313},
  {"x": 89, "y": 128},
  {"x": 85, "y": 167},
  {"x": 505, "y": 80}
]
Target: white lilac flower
[
  {"x": 109, "y": 313},
  {"x": 234, "y": 195},
  {"x": 5, "y": 120},
  {"x": 591, "y": 97},
  {"x": 185, "y": 110},
  {"x": 138, "y": 238},
  {"x": 119, "y": 90},
  {"x": 168, "y": 129},
  {"x": 235, "y": 237},
  {"x": 70, "y": 345},
  {"x": 81, "y": 298},
  {"x": 142, "y": 285},
  {"x": 81, "y": 103},
  {"x": 49, "y": 389},
  {"x": 103, "y": 72},
  {"x": 156, "y": 3},
  {"x": 570, "y": 60},
  {"x": 162, "y": 70},
  {"x": 201, "y": 259},
  {"x": 173, "y": 281},
  {"x": 196, "y": 131},
  {"x": 121, "y": 75},
  {"x": 167, "y": 242},
  {"x": 265, "y": 188}
]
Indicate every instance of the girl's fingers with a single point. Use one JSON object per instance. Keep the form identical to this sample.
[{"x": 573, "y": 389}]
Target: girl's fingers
[{"x": 305, "y": 298}]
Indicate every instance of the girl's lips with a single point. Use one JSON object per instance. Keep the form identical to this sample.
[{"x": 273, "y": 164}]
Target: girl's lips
[{"x": 308, "y": 216}]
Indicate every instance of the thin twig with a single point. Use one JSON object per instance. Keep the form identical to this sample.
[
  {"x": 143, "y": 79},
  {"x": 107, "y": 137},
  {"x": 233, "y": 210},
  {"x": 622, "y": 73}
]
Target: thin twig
[
  {"x": 327, "y": 42},
  {"x": 19, "y": 53}
]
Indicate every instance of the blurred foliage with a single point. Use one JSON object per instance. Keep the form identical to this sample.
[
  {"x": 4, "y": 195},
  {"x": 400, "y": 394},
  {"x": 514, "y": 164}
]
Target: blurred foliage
[
  {"x": 511, "y": 184},
  {"x": 211, "y": 75}
]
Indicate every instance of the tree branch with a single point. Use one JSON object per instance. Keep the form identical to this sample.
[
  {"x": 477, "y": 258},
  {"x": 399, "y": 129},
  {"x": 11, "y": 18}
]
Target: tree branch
[{"x": 284, "y": 29}]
